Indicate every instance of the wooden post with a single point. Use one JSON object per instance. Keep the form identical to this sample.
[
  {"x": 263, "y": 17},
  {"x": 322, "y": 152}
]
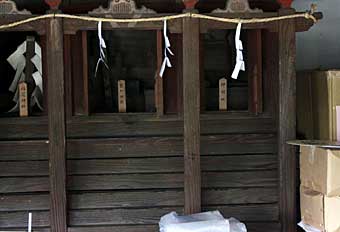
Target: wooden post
[
  {"x": 159, "y": 93},
  {"x": 191, "y": 113},
  {"x": 29, "y": 67},
  {"x": 56, "y": 125},
  {"x": 287, "y": 122}
]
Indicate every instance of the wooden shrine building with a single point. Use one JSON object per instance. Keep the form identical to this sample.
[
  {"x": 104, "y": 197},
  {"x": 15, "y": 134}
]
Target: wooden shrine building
[{"x": 113, "y": 146}]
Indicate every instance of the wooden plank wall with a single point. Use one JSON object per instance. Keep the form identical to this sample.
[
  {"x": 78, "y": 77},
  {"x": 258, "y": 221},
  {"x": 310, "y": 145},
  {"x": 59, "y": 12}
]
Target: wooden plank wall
[
  {"x": 24, "y": 184},
  {"x": 125, "y": 172}
]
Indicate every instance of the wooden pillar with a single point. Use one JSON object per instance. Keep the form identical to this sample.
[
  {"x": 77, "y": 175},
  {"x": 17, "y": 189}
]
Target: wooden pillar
[
  {"x": 56, "y": 125},
  {"x": 287, "y": 122},
  {"x": 191, "y": 114}
]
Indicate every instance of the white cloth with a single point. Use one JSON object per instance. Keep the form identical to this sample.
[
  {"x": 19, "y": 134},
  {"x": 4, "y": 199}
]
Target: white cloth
[{"x": 240, "y": 65}]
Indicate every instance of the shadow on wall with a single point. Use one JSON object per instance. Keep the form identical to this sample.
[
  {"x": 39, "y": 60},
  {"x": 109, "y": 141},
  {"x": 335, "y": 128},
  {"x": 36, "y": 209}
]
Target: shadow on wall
[{"x": 319, "y": 48}]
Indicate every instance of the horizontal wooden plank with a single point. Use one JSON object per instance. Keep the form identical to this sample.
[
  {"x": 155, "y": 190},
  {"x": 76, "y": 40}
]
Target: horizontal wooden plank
[
  {"x": 118, "y": 216},
  {"x": 124, "y": 147},
  {"x": 93, "y": 127},
  {"x": 27, "y": 202},
  {"x": 23, "y": 168},
  {"x": 163, "y": 181},
  {"x": 23, "y": 128},
  {"x": 263, "y": 226},
  {"x": 24, "y": 150},
  {"x": 169, "y": 146},
  {"x": 19, "y": 219},
  {"x": 131, "y": 228},
  {"x": 242, "y": 126},
  {"x": 169, "y": 165},
  {"x": 24, "y": 184},
  {"x": 251, "y": 227},
  {"x": 250, "y": 213},
  {"x": 139, "y": 199},
  {"x": 232, "y": 196}
]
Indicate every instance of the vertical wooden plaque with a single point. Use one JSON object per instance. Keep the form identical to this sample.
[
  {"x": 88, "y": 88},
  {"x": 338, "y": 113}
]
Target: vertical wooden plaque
[
  {"x": 223, "y": 98},
  {"x": 121, "y": 96},
  {"x": 23, "y": 100}
]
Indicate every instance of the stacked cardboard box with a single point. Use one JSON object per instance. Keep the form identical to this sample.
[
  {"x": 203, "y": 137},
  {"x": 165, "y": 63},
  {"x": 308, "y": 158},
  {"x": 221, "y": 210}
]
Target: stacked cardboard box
[
  {"x": 320, "y": 187},
  {"x": 318, "y": 104}
]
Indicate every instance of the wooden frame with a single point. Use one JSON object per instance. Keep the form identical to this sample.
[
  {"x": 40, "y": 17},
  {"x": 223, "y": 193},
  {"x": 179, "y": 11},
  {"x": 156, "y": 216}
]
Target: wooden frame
[{"x": 272, "y": 128}]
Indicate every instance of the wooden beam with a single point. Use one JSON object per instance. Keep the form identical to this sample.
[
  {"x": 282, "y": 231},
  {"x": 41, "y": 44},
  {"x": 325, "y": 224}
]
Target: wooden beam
[
  {"x": 56, "y": 125},
  {"x": 287, "y": 122},
  {"x": 254, "y": 41},
  {"x": 159, "y": 96},
  {"x": 191, "y": 106}
]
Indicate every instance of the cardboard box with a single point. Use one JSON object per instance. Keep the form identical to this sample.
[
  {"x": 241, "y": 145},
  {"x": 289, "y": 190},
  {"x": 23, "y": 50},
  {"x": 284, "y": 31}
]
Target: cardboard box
[
  {"x": 320, "y": 170},
  {"x": 318, "y": 98},
  {"x": 320, "y": 211}
]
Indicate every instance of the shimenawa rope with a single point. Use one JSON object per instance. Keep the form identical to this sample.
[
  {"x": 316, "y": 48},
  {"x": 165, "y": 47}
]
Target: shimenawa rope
[{"x": 159, "y": 19}]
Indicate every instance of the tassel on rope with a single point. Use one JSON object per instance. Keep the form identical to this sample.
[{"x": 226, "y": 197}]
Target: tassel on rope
[
  {"x": 166, "y": 62},
  {"x": 102, "y": 46},
  {"x": 240, "y": 65}
]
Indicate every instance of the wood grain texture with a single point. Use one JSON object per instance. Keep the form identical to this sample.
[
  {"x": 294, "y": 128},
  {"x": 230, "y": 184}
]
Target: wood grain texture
[
  {"x": 139, "y": 199},
  {"x": 191, "y": 115},
  {"x": 23, "y": 128},
  {"x": 166, "y": 181},
  {"x": 169, "y": 146},
  {"x": 254, "y": 41},
  {"x": 56, "y": 125},
  {"x": 114, "y": 126},
  {"x": 287, "y": 122},
  {"x": 24, "y": 150},
  {"x": 159, "y": 98},
  {"x": 24, "y": 184},
  {"x": 19, "y": 220}
]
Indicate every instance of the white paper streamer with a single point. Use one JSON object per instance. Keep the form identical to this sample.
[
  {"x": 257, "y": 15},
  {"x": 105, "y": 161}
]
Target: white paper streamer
[
  {"x": 102, "y": 46},
  {"x": 29, "y": 229},
  {"x": 38, "y": 80},
  {"x": 166, "y": 62},
  {"x": 18, "y": 62},
  {"x": 240, "y": 65}
]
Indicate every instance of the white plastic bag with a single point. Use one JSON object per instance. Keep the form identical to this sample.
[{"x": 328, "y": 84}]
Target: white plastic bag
[
  {"x": 202, "y": 222},
  {"x": 308, "y": 228}
]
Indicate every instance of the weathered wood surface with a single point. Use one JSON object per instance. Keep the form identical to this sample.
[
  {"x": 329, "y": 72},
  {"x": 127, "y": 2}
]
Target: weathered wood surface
[
  {"x": 71, "y": 26},
  {"x": 191, "y": 115},
  {"x": 56, "y": 125},
  {"x": 24, "y": 150},
  {"x": 109, "y": 127},
  {"x": 163, "y": 181},
  {"x": 32, "y": 26},
  {"x": 140, "y": 199},
  {"x": 79, "y": 74},
  {"x": 140, "y": 165},
  {"x": 287, "y": 123},
  {"x": 255, "y": 83},
  {"x": 23, "y": 128}
]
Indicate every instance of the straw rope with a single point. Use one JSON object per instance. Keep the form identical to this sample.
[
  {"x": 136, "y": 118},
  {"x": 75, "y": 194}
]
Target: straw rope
[{"x": 158, "y": 19}]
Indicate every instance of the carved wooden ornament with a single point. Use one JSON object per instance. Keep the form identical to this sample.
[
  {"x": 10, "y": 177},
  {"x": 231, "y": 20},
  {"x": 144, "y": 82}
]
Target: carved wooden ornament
[
  {"x": 9, "y": 7},
  {"x": 122, "y": 7},
  {"x": 237, "y": 6}
]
